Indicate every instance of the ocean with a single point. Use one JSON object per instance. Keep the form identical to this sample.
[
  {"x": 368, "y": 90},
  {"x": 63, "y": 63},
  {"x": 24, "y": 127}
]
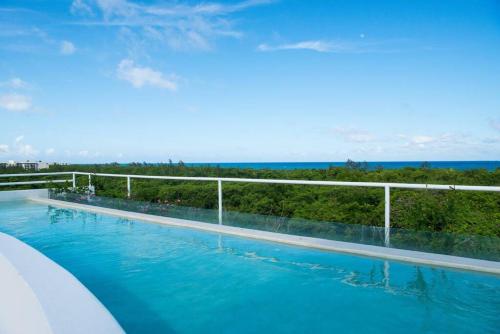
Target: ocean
[{"x": 458, "y": 165}]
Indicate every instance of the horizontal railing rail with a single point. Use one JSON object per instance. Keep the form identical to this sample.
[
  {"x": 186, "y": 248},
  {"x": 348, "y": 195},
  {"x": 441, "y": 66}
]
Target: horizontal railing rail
[
  {"x": 37, "y": 174},
  {"x": 21, "y": 183},
  {"x": 385, "y": 185},
  {"x": 14, "y": 183}
]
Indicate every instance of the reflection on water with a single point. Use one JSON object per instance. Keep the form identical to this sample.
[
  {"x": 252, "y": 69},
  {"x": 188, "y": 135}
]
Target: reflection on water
[
  {"x": 378, "y": 276},
  {"x": 58, "y": 215}
]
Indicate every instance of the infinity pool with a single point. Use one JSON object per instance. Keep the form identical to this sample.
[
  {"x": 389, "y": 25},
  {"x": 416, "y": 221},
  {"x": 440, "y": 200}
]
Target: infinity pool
[{"x": 158, "y": 279}]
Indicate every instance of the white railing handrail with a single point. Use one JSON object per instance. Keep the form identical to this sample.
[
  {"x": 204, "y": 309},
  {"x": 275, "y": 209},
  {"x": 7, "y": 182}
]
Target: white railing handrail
[
  {"x": 31, "y": 182},
  {"x": 36, "y": 174},
  {"x": 305, "y": 182},
  {"x": 385, "y": 185}
]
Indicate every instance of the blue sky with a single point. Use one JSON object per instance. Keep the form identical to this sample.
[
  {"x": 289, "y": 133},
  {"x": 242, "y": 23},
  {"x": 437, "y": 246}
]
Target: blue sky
[{"x": 254, "y": 80}]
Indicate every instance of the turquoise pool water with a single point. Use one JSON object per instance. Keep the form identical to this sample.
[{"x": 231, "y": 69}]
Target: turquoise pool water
[{"x": 157, "y": 279}]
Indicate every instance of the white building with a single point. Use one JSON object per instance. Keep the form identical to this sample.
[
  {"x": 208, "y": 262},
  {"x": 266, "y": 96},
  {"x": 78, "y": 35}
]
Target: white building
[{"x": 28, "y": 165}]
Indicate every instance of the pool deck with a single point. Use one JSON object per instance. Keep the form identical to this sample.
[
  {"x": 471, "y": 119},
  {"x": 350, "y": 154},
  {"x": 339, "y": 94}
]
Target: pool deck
[
  {"x": 39, "y": 296},
  {"x": 430, "y": 259}
]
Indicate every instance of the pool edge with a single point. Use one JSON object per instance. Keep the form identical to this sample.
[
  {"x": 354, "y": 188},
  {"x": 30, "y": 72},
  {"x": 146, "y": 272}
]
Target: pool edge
[
  {"x": 407, "y": 256},
  {"x": 58, "y": 302}
]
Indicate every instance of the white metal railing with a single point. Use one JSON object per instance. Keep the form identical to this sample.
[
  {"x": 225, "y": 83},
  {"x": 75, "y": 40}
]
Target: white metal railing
[
  {"x": 385, "y": 185},
  {"x": 19, "y": 183},
  {"x": 31, "y": 182}
]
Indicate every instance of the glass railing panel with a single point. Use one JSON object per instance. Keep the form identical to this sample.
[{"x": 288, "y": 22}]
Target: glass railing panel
[
  {"x": 159, "y": 209},
  {"x": 473, "y": 246}
]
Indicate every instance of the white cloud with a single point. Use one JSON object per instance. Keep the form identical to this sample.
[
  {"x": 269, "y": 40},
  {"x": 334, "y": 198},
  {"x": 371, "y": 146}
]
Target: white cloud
[
  {"x": 317, "y": 45},
  {"x": 15, "y": 83},
  {"x": 67, "y": 48},
  {"x": 4, "y": 148},
  {"x": 360, "y": 45},
  {"x": 442, "y": 141},
  {"x": 491, "y": 140},
  {"x": 495, "y": 124},
  {"x": 26, "y": 150},
  {"x": 354, "y": 135},
  {"x": 420, "y": 140},
  {"x": 142, "y": 76},
  {"x": 15, "y": 102},
  {"x": 80, "y": 7},
  {"x": 32, "y": 40},
  {"x": 23, "y": 149},
  {"x": 179, "y": 26},
  {"x": 192, "y": 109},
  {"x": 215, "y": 8},
  {"x": 50, "y": 151},
  {"x": 84, "y": 154},
  {"x": 124, "y": 8}
]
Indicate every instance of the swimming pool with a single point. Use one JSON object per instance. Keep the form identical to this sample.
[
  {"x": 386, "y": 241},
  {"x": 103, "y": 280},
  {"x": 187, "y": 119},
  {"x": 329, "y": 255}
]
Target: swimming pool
[{"x": 155, "y": 278}]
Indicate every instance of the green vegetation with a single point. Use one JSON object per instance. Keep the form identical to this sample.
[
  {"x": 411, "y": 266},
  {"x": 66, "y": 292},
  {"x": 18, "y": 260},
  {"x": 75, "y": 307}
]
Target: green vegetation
[
  {"x": 423, "y": 210},
  {"x": 450, "y": 222}
]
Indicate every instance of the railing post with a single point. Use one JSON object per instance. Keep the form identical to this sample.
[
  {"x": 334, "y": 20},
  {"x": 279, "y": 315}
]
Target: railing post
[
  {"x": 387, "y": 225},
  {"x": 219, "y": 186},
  {"x": 74, "y": 181},
  {"x": 90, "y": 184},
  {"x": 128, "y": 186}
]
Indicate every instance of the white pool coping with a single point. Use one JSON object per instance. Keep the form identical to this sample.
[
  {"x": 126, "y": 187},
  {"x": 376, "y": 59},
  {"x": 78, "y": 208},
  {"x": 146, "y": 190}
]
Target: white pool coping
[
  {"x": 430, "y": 259},
  {"x": 39, "y": 296}
]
